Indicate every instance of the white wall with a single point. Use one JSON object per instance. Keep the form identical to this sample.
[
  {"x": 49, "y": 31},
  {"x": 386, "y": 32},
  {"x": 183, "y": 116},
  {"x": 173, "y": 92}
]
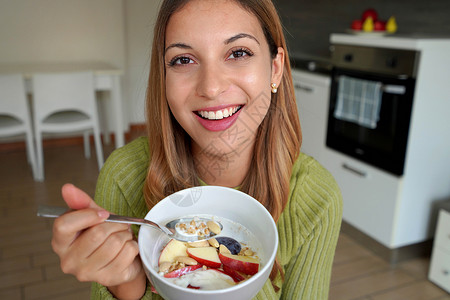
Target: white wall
[
  {"x": 118, "y": 32},
  {"x": 140, "y": 16},
  {"x": 62, "y": 30}
]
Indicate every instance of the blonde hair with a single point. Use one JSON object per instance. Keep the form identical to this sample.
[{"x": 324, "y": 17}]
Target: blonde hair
[{"x": 278, "y": 138}]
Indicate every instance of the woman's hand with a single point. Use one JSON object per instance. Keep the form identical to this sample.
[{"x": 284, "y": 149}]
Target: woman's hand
[{"x": 94, "y": 250}]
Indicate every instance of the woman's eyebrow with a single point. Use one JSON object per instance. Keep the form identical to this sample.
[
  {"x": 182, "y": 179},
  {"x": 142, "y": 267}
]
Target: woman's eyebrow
[
  {"x": 227, "y": 41},
  {"x": 177, "y": 45},
  {"x": 240, "y": 36}
]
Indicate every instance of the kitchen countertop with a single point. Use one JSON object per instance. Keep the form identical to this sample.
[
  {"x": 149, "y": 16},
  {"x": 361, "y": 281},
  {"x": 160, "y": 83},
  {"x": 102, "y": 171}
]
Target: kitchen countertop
[
  {"x": 318, "y": 65},
  {"x": 409, "y": 42}
]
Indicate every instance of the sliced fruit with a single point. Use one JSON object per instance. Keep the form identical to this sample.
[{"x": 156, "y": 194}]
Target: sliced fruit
[
  {"x": 232, "y": 245},
  {"x": 198, "y": 244},
  {"x": 188, "y": 261},
  {"x": 245, "y": 264},
  {"x": 224, "y": 249},
  {"x": 182, "y": 271},
  {"x": 227, "y": 276},
  {"x": 193, "y": 287},
  {"x": 173, "y": 249},
  {"x": 236, "y": 275},
  {"x": 206, "y": 256}
]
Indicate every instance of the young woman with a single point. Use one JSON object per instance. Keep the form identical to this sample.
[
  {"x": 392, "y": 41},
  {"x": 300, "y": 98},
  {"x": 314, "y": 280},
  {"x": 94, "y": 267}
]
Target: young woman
[{"x": 221, "y": 111}]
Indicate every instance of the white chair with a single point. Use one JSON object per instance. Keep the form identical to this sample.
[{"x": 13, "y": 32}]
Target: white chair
[
  {"x": 15, "y": 117},
  {"x": 63, "y": 103}
]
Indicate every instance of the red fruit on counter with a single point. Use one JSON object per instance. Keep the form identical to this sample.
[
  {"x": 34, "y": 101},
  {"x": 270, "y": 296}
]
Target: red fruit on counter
[
  {"x": 379, "y": 25},
  {"x": 370, "y": 13},
  {"x": 356, "y": 25}
]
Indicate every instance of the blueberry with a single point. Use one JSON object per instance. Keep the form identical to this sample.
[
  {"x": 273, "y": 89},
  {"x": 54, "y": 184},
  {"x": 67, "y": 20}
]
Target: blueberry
[{"x": 232, "y": 245}]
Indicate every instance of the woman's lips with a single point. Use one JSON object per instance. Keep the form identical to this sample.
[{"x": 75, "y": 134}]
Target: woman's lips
[{"x": 220, "y": 119}]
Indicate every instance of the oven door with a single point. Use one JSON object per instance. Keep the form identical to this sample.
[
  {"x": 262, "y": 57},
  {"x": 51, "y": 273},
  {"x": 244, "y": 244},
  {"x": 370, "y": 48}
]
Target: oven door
[{"x": 382, "y": 145}]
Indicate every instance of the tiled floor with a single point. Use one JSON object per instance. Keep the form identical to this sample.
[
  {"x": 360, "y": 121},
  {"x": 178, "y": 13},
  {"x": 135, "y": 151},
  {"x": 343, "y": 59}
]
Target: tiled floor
[{"x": 30, "y": 270}]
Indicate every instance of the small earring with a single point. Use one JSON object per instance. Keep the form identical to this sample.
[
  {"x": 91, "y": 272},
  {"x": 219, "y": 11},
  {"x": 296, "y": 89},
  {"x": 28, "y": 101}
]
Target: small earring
[{"x": 274, "y": 88}]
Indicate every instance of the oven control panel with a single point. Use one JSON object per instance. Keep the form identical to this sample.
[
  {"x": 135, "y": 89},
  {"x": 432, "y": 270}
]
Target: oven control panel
[{"x": 396, "y": 62}]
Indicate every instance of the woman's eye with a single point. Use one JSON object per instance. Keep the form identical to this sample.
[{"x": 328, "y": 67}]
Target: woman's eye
[
  {"x": 240, "y": 53},
  {"x": 180, "y": 61}
]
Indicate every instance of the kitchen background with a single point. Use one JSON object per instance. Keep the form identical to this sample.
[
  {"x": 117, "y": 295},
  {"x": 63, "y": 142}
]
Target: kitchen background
[
  {"x": 309, "y": 23},
  {"x": 119, "y": 32}
]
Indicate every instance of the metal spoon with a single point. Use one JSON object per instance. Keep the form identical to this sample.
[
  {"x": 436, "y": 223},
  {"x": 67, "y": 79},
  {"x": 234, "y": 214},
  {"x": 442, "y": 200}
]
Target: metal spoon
[{"x": 169, "y": 229}]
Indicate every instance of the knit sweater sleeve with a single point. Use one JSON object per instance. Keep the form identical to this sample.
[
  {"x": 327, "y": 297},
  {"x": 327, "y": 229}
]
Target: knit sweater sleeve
[
  {"x": 119, "y": 190},
  {"x": 309, "y": 230}
]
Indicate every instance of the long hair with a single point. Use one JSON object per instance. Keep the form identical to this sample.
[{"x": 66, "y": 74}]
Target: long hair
[{"x": 278, "y": 138}]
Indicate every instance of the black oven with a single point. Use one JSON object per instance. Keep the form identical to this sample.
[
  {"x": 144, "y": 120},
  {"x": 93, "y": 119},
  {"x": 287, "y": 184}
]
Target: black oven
[{"x": 371, "y": 100}]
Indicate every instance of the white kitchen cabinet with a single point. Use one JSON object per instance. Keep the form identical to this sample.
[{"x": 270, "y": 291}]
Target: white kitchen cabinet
[
  {"x": 396, "y": 211},
  {"x": 312, "y": 92},
  {"x": 368, "y": 195},
  {"x": 440, "y": 257}
]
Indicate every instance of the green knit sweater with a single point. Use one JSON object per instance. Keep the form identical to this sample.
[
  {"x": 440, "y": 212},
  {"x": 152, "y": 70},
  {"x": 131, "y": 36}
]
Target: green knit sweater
[{"x": 308, "y": 228}]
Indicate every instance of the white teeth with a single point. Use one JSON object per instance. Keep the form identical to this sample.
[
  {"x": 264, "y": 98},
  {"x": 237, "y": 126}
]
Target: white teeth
[{"x": 220, "y": 114}]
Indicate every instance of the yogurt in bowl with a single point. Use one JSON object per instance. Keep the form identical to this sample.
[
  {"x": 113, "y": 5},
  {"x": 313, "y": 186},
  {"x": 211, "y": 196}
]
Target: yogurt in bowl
[
  {"x": 217, "y": 263},
  {"x": 243, "y": 218}
]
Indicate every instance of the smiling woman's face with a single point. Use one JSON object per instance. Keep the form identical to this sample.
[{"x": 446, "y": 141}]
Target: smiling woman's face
[{"x": 218, "y": 74}]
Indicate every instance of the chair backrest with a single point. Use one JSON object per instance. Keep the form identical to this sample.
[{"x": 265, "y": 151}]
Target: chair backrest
[
  {"x": 13, "y": 101},
  {"x": 58, "y": 92}
]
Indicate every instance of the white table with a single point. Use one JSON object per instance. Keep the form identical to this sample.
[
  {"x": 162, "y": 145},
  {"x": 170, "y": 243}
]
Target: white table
[{"x": 107, "y": 78}]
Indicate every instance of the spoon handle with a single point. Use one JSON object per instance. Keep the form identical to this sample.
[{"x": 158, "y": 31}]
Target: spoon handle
[
  {"x": 48, "y": 211},
  {"x": 137, "y": 221}
]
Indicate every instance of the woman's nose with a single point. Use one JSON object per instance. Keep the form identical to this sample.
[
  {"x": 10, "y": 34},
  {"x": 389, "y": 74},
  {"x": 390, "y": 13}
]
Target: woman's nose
[{"x": 211, "y": 81}]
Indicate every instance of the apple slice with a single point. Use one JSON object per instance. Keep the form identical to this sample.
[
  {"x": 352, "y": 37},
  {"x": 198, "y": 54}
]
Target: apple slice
[
  {"x": 193, "y": 287},
  {"x": 173, "y": 249},
  {"x": 228, "y": 277},
  {"x": 182, "y": 271},
  {"x": 206, "y": 256},
  {"x": 236, "y": 275},
  {"x": 198, "y": 244},
  {"x": 245, "y": 264}
]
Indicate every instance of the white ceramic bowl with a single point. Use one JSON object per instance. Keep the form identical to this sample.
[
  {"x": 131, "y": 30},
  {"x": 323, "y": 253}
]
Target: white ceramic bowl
[{"x": 221, "y": 202}]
